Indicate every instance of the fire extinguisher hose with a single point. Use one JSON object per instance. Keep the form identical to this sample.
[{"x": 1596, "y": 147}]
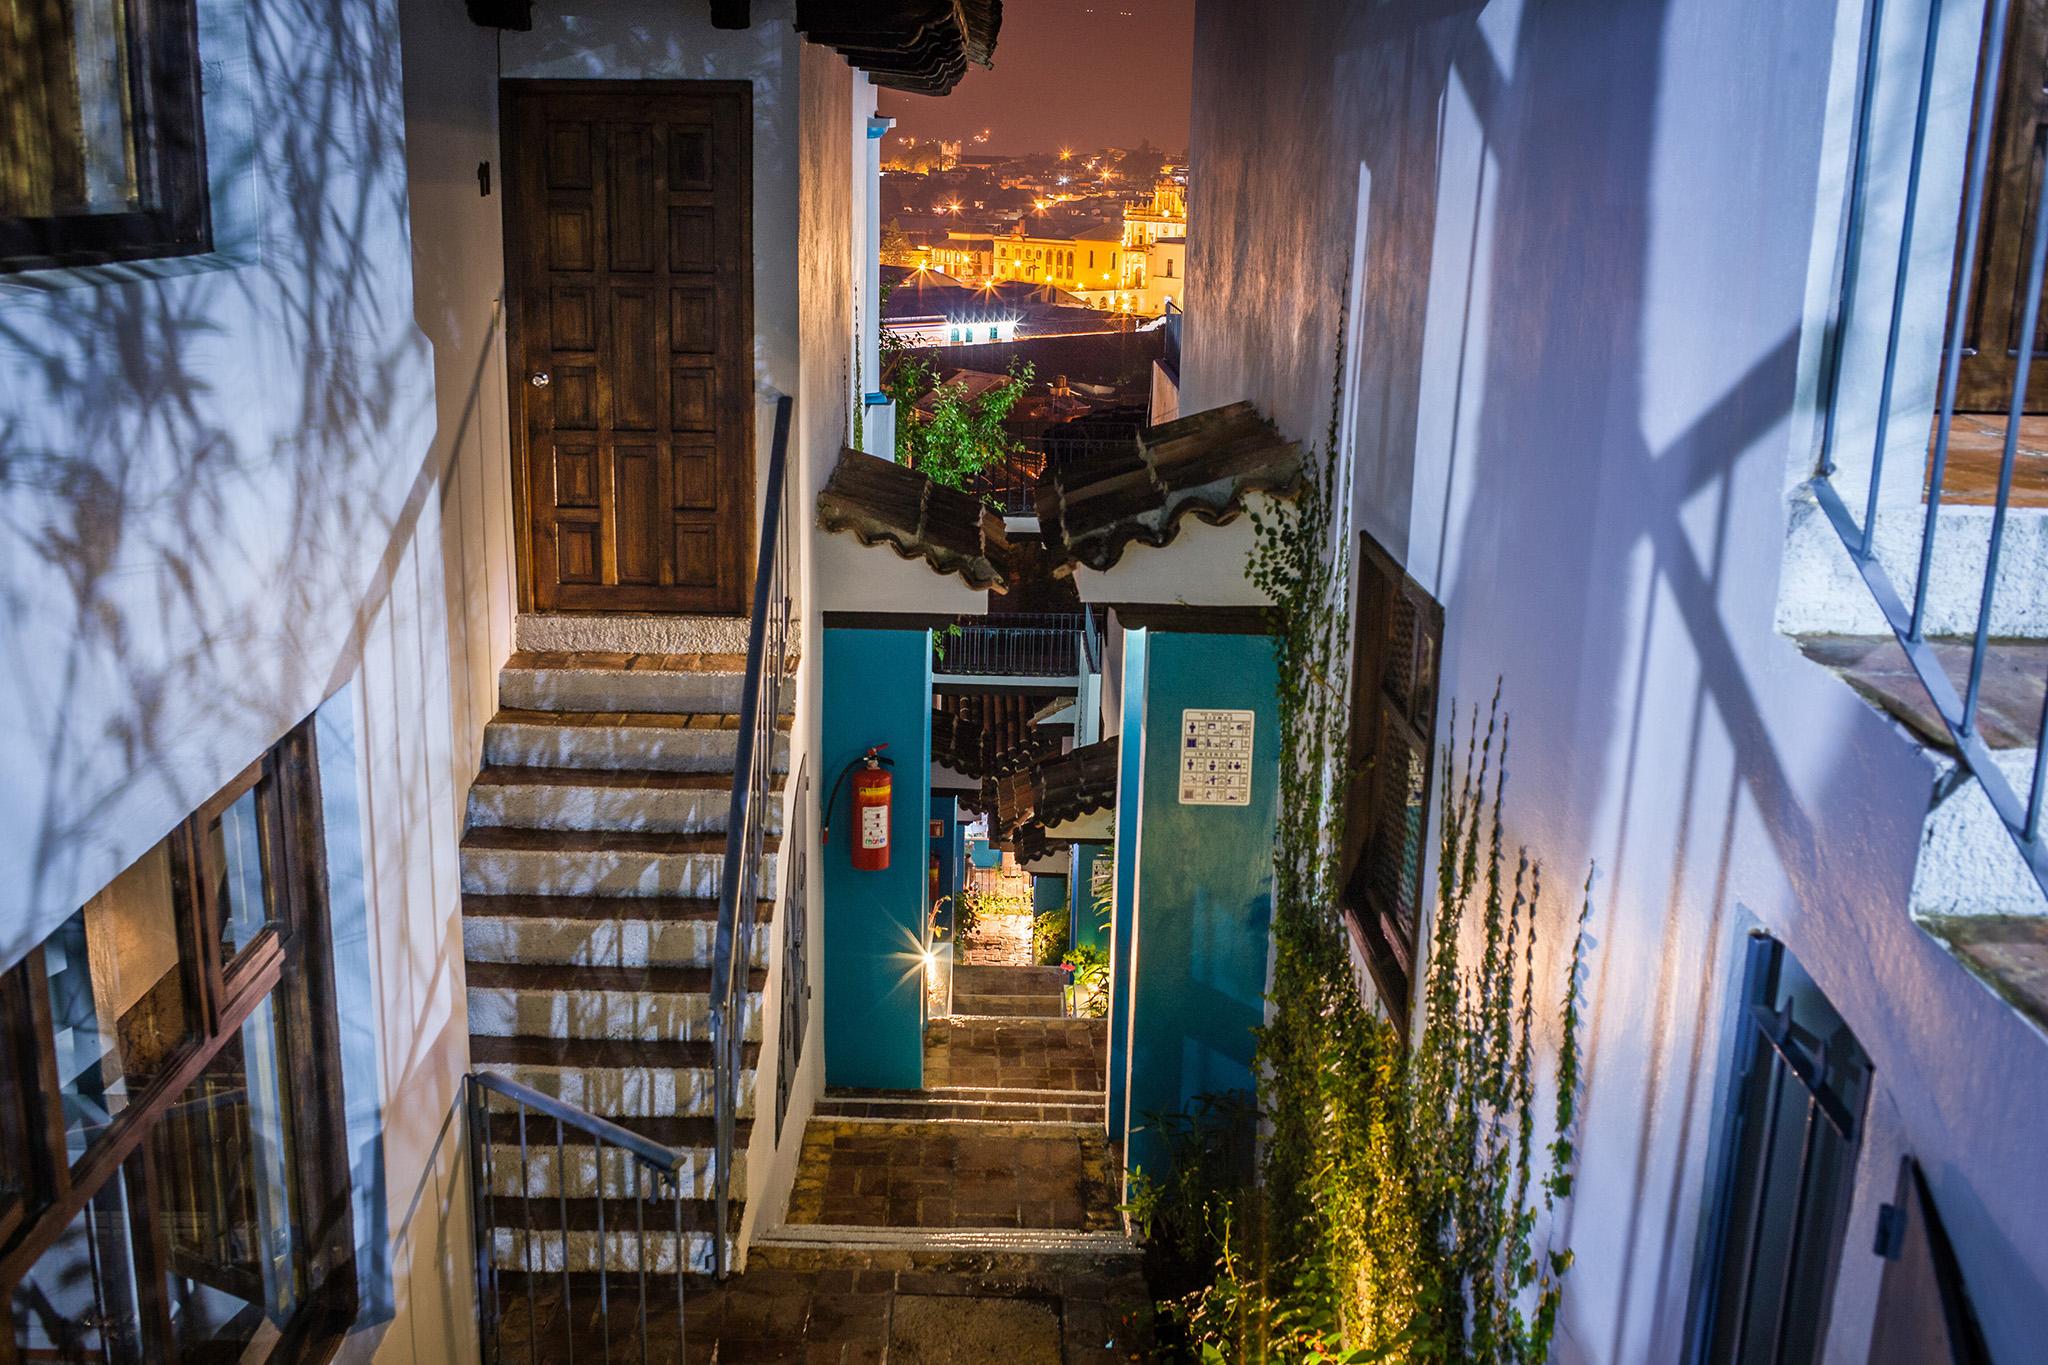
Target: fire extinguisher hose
[{"x": 873, "y": 757}]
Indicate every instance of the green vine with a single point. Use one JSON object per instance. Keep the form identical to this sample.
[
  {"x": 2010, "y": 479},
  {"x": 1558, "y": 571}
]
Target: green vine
[{"x": 1397, "y": 1212}]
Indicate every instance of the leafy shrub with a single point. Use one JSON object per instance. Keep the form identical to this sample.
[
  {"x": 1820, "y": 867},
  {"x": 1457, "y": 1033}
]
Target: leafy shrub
[
  {"x": 1088, "y": 965},
  {"x": 1050, "y": 934},
  {"x": 954, "y": 437}
]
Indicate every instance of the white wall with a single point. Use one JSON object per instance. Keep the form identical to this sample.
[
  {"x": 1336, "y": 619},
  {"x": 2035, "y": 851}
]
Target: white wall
[
  {"x": 238, "y": 485},
  {"x": 1589, "y": 242},
  {"x": 205, "y": 475}
]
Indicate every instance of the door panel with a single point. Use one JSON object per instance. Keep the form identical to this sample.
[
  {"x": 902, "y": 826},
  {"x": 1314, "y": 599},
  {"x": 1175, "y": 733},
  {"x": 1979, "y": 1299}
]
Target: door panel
[
  {"x": 1991, "y": 338},
  {"x": 629, "y": 240}
]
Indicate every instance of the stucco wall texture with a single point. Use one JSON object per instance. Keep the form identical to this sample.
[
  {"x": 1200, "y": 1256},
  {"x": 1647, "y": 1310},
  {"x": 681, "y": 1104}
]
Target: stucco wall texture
[{"x": 1586, "y": 246}]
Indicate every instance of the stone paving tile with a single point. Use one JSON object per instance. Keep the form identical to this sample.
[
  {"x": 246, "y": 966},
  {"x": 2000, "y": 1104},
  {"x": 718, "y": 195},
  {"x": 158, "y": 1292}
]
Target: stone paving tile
[
  {"x": 1026, "y": 1054},
  {"x": 954, "y": 1175},
  {"x": 845, "y": 1305}
]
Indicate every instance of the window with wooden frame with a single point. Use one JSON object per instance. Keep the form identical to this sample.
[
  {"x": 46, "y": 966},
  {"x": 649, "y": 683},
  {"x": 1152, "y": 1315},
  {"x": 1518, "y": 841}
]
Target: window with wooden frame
[
  {"x": 175, "y": 1183},
  {"x": 1399, "y": 634},
  {"x": 102, "y": 151}
]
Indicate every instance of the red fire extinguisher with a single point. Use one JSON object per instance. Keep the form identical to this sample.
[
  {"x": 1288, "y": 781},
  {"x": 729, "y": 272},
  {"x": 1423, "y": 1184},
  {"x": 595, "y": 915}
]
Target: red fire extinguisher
[{"x": 870, "y": 852}]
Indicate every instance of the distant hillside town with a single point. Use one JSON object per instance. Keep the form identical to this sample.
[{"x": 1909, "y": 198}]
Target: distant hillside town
[{"x": 1106, "y": 229}]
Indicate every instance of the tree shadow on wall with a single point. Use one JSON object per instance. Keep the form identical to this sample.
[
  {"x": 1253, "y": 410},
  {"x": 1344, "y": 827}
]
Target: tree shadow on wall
[{"x": 197, "y": 473}]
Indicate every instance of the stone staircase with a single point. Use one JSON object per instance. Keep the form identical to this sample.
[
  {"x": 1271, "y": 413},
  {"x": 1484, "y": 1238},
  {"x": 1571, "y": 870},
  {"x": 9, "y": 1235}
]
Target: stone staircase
[
  {"x": 590, "y": 873},
  {"x": 1006, "y": 990},
  {"x": 975, "y": 1219}
]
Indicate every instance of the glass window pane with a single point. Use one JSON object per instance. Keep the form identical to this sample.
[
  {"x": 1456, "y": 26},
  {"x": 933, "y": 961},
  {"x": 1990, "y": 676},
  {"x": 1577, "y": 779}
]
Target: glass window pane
[
  {"x": 234, "y": 841},
  {"x": 73, "y": 116},
  {"x": 225, "y": 1199},
  {"x": 117, "y": 996},
  {"x": 78, "y": 1302}
]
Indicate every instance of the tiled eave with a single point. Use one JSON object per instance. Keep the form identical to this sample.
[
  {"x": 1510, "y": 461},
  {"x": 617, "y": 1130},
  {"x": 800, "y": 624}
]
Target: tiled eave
[
  {"x": 981, "y": 733},
  {"x": 922, "y": 46},
  {"x": 881, "y": 502},
  {"x": 1205, "y": 465},
  {"x": 1054, "y": 793}
]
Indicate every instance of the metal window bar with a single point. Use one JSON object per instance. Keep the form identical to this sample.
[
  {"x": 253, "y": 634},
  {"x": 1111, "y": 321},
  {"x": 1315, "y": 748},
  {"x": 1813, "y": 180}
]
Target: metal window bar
[
  {"x": 652, "y": 1173},
  {"x": 747, "y": 819},
  {"x": 1017, "y": 645},
  {"x": 2021, "y": 816}
]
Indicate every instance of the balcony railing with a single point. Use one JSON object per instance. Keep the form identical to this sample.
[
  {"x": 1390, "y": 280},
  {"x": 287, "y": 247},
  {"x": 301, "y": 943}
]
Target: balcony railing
[
  {"x": 1052, "y": 645},
  {"x": 2019, "y": 811},
  {"x": 528, "y": 1268}
]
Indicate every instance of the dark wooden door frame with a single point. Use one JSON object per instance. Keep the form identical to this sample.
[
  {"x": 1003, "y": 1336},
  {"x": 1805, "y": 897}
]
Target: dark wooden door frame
[{"x": 517, "y": 363}]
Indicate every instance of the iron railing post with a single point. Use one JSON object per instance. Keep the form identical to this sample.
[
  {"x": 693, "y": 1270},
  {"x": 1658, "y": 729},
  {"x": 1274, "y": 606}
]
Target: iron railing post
[{"x": 1959, "y": 303}]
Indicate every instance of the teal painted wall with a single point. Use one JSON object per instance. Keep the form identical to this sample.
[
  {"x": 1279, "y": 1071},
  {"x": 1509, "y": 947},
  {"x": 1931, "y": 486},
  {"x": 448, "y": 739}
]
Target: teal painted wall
[
  {"x": 877, "y": 686},
  {"x": 1129, "y": 756},
  {"x": 1203, "y": 898},
  {"x": 1048, "y": 892}
]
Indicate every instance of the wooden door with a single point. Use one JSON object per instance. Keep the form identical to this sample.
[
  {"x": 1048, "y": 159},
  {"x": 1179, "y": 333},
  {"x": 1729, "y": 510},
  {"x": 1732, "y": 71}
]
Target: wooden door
[
  {"x": 629, "y": 240},
  {"x": 1991, "y": 329}
]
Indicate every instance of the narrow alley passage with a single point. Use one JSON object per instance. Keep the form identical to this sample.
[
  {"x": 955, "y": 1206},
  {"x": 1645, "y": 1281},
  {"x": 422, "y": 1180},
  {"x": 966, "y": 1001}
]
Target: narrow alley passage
[{"x": 974, "y": 1220}]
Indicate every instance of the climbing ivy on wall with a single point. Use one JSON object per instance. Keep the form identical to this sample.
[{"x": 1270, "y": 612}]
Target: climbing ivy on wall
[{"x": 1402, "y": 1187}]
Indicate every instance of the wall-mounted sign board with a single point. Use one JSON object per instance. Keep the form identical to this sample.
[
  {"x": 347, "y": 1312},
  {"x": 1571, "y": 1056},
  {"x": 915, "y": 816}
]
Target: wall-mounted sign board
[{"x": 1215, "y": 758}]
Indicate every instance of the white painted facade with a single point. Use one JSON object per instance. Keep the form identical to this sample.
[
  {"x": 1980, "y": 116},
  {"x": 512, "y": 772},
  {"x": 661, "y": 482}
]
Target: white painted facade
[
  {"x": 1594, "y": 249},
  {"x": 241, "y": 486}
]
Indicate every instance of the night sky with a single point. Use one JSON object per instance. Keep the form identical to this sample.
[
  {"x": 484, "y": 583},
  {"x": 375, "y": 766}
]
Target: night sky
[{"x": 1078, "y": 73}]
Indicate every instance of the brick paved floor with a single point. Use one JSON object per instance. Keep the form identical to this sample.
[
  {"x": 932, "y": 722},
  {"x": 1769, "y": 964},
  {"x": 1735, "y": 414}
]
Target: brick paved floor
[
  {"x": 1029, "y": 1054},
  {"x": 861, "y": 1306},
  {"x": 880, "y": 1173}
]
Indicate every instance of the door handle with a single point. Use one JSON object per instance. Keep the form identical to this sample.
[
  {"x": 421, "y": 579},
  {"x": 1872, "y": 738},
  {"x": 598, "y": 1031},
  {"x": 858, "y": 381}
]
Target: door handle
[{"x": 540, "y": 379}]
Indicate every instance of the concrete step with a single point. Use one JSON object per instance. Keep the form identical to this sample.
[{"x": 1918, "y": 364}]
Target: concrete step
[
  {"x": 594, "y": 798},
  {"x": 621, "y": 1081},
  {"x": 625, "y": 1247},
  {"x": 1009, "y": 1006},
  {"x": 963, "y": 1103},
  {"x": 528, "y": 862},
  {"x": 542, "y": 681},
  {"x": 600, "y": 931},
  {"x": 650, "y": 1004},
  {"x": 999, "y": 1252},
  {"x": 617, "y": 1174},
  {"x": 630, "y": 741},
  {"x": 1002, "y": 979}
]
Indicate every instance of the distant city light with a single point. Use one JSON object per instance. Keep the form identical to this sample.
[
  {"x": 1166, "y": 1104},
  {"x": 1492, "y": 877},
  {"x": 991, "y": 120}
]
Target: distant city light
[{"x": 1066, "y": 153}]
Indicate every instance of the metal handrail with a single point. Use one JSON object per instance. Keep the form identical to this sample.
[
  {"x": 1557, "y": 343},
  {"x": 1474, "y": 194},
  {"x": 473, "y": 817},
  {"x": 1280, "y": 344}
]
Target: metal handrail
[
  {"x": 739, "y": 886},
  {"x": 656, "y": 1173},
  {"x": 2021, "y": 813},
  {"x": 625, "y": 1139}
]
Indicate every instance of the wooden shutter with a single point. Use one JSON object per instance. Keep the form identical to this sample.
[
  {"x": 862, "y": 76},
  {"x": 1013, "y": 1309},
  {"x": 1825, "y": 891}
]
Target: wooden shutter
[{"x": 1399, "y": 632}]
